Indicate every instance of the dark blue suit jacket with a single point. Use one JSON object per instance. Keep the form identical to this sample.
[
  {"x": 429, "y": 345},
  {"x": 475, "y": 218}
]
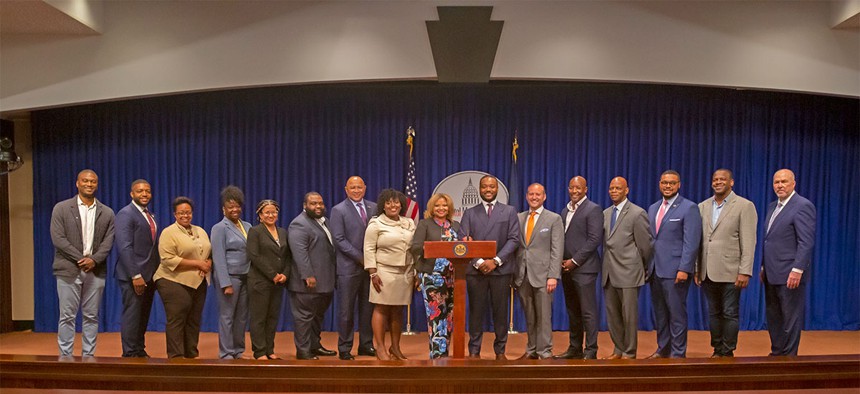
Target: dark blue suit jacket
[
  {"x": 348, "y": 229},
  {"x": 790, "y": 241},
  {"x": 138, "y": 253},
  {"x": 583, "y": 236},
  {"x": 502, "y": 227},
  {"x": 313, "y": 255},
  {"x": 676, "y": 246}
]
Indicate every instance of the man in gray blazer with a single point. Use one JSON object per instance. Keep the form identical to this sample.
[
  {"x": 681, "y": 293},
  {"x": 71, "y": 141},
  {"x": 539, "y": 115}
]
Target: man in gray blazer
[
  {"x": 82, "y": 231},
  {"x": 726, "y": 258},
  {"x": 347, "y": 225},
  {"x": 312, "y": 277},
  {"x": 538, "y": 270},
  {"x": 626, "y": 252}
]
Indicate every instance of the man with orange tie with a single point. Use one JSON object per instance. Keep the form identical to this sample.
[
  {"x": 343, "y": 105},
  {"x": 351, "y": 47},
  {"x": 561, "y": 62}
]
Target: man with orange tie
[
  {"x": 539, "y": 269},
  {"x": 137, "y": 246}
]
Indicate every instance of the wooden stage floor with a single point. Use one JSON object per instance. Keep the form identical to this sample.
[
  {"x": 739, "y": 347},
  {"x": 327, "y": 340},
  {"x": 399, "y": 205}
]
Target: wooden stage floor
[{"x": 829, "y": 360}]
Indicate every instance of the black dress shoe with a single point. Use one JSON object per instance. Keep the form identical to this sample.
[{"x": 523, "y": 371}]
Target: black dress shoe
[
  {"x": 655, "y": 355},
  {"x": 528, "y": 356},
  {"x": 370, "y": 351},
  {"x": 346, "y": 356},
  {"x": 303, "y": 356},
  {"x": 569, "y": 355},
  {"x": 323, "y": 352},
  {"x": 589, "y": 357}
]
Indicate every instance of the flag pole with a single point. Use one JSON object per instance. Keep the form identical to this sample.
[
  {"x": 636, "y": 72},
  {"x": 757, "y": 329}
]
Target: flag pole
[
  {"x": 410, "y": 189},
  {"x": 514, "y": 190}
]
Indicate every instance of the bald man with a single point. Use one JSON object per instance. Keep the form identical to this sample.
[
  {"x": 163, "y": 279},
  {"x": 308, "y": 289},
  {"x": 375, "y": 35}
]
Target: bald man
[
  {"x": 583, "y": 233},
  {"x": 789, "y": 238},
  {"x": 626, "y": 252},
  {"x": 348, "y": 224}
]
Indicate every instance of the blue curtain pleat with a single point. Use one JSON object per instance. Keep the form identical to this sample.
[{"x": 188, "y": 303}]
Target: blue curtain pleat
[{"x": 281, "y": 142}]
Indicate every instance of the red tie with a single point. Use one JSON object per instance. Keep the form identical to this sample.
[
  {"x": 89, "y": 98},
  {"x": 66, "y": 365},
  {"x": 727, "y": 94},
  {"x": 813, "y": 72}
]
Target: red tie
[
  {"x": 660, "y": 213},
  {"x": 151, "y": 223},
  {"x": 489, "y": 209}
]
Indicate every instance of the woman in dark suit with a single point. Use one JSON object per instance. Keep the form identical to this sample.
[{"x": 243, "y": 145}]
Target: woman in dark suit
[
  {"x": 436, "y": 276},
  {"x": 269, "y": 252}
]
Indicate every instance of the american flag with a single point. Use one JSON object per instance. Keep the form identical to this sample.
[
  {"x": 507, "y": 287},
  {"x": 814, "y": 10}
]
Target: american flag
[{"x": 410, "y": 188}]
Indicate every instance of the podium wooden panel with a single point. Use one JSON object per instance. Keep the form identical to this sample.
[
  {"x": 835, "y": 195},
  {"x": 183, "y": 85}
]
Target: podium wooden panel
[{"x": 460, "y": 253}]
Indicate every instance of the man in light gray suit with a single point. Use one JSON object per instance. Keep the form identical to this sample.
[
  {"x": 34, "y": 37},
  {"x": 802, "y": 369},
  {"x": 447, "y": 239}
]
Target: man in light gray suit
[
  {"x": 539, "y": 268},
  {"x": 82, "y": 231},
  {"x": 312, "y": 277},
  {"x": 726, "y": 258},
  {"x": 626, "y": 252}
]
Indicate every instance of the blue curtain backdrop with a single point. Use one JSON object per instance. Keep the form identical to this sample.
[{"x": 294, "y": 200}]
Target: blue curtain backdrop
[{"x": 284, "y": 141}]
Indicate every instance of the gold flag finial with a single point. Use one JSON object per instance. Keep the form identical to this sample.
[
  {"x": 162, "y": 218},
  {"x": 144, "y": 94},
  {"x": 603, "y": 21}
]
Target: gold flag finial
[
  {"x": 410, "y": 135},
  {"x": 516, "y": 146}
]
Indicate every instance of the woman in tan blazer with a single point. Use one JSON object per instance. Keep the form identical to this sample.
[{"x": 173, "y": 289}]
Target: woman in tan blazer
[
  {"x": 387, "y": 259},
  {"x": 181, "y": 279}
]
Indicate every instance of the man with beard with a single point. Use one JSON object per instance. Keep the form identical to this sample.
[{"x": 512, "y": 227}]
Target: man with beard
[
  {"x": 312, "y": 277},
  {"x": 626, "y": 252},
  {"x": 726, "y": 262},
  {"x": 583, "y": 233},
  {"x": 348, "y": 224},
  {"x": 137, "y": 246},
  {"x": 677, "y": 234},
  {"x": 539, "y": 263},
  {"x": 786, "y": 256},
  {"x": 488, "y": 280},
  {"x": 82, "y": 231}
]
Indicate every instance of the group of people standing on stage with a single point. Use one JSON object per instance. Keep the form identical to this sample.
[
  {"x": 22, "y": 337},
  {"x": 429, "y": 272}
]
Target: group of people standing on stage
[{"x": 374, "y": 256}]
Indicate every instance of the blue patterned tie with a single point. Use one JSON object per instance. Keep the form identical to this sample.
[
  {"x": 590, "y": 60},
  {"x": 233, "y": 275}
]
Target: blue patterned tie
[{"x": 614, "y": 216}]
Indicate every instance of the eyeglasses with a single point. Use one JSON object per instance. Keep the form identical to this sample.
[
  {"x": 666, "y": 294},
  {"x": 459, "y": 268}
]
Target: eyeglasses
[
  {"x": 669, "y": 183},
  {"x": 183, "y": 213}
]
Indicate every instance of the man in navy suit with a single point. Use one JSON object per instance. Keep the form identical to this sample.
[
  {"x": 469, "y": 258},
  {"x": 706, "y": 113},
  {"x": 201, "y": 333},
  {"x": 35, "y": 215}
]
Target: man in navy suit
[
  {"x": 786, "y": 256},
  {"x": 677, "y": 233},
  {"x": 488, "y": 281},
  {"x": 583, "y": 233},
  {"x": 347, "y": 225},
  {"x": 137, "y": 246},
  {"x": 312, "y": 277}
]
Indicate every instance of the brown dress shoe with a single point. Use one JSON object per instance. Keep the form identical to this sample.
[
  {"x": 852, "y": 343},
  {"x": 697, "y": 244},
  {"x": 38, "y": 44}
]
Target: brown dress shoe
[
  {"x": 501, "y": 357},
  {"x": 612, "y": 356},
  {"x": 528, "y": 356},
  {"x": 628, "y": 357},
  {"x": 474, "y": 355}
]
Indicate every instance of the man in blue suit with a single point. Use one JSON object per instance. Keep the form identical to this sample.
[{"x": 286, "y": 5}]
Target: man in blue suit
[
  {"x": 348, "y": 224},
  {"x": 488, "y": 281},
  {"x": 677, "y": 233},
  {"x": 583, "y": 233},
  {"x": 137, "y": 245},
  {"x": 789, "y": 238},
  {"x": 312, "y": 277}
]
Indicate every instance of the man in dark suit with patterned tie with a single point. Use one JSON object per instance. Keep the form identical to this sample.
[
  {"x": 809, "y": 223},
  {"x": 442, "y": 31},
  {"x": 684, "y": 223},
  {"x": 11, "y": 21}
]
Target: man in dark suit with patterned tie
[
  {"x": 583, "y": 233},
  {"x": 312, "y": 277},
  {"x": 786, "y": 257},
  {"x": 347, "y": 225},
  {"x": 488, "y": 281},
  {"x": 137, "y": 246}
]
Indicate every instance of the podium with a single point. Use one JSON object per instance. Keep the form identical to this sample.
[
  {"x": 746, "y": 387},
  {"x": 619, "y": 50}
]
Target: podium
[{"x": 460, "y": 253}]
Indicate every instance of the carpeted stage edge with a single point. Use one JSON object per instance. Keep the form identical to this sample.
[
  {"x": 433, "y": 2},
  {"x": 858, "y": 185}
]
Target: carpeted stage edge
[{"x": 24, "y": 365}]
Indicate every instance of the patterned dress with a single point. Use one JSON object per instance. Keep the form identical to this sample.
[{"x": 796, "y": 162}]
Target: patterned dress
[{"x": 438, "y": 291}]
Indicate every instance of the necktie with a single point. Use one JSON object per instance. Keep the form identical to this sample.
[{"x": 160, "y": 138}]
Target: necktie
[
  {"x": 362, "y": 212},
  {"x": 775, "y": 212},
  {"x": 661, "y": 213},
  {"x": 530, "y": 226},
  {"x": 489, "y": 209},
  {"x": 151, "y": 223},
  {"x": 612, "y": 220}
]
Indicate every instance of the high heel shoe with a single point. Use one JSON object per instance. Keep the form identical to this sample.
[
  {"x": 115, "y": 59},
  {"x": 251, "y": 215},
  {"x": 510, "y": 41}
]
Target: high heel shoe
[{"x": 397, "y": 355}]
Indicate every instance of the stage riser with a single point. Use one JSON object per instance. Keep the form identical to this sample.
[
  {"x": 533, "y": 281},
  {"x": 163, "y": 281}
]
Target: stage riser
[{"x": 452, "y": 376}]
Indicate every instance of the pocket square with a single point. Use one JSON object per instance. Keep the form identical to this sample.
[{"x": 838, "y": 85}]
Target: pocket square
[
  {"x": 543, "y": 230},
  {"x": 675, "y": 220}
]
